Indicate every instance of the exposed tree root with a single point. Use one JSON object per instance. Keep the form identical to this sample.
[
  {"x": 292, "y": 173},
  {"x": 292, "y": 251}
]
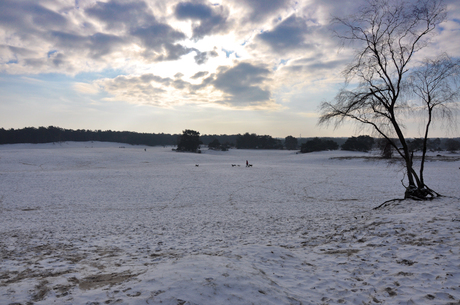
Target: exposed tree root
[
  {"x": 388, "y": 202},
  {"x": 424, "y": 193},
  {"x": 414, "y": 193}
]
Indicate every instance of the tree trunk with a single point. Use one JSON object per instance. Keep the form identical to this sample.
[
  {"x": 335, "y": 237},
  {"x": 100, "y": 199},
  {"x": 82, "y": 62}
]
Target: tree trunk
[
  {"x": 425, "y": 141},
  {"x": 416, "y": 189},
  {"x": 406, "y": 155}
]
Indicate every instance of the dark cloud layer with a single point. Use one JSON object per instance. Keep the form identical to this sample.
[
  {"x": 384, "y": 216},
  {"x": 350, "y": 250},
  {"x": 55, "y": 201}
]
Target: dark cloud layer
[
  {"x": 62, "y": 36},
  {"x": 160, "y": 40},
  {"x": 160, "y": 37},
  {"x": 212, "y": 20},
  {"x": 262, "y": 9},
  {"x": 290, "y": 34},
  {"x": 108, "y": 28},
  {"x": 105, "y": 28},
  {"x": 243, "y": 83},
  {"x": 95, "y": 46},
  {"x": 308, "y": 65},
  {"x": 21, "y": 16},
  {"x": 120, "y": 14},
  {"x": 193, "y": 10},
  {"x": 199, "y": 74}
]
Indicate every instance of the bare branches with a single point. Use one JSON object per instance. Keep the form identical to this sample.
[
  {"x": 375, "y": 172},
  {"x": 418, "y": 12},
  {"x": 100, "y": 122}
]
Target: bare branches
[
  {"x": 389, "y": 33},
  {"x": 386, "y": 35},
  {"x": 436, "y": 84},
  {"x": 437, "y": 81}
]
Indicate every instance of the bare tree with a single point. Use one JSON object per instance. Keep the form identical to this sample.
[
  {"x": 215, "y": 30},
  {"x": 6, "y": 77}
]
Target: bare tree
[
  {"x": 435, "y": 85},
  {"x": 386, "y": 35}
]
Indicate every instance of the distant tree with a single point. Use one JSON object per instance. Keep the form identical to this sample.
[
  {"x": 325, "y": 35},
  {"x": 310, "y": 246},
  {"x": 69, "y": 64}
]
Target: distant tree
[
  {"x": 434, "y": 144},
  {"x": 318, "y": 144},
  {"x": 415, "y": 144},
  {"x": 215, "y": 144},
  {"x": 206, "y": 139},
  {"x": 189, "y": 141},
  {"x": 225, "y": 147},
  {"x": 268, "y": 142},
  {"x": 361, "y": 143},
  {"x": 452, "y": 145},
  {"x": 386, "y": 149},
  {"x": 246, "y": 141},
  {"x": 253, "y": 141},
  {"x": 290, "y": 143},
  {"x": 229, "y": 145}
]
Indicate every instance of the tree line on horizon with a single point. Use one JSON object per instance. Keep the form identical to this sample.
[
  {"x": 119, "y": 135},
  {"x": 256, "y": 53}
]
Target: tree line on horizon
[
  {"x": 53, "y": 134},
  {"x": 56, "y": 134},
  {"x": 190, "y": 141}
]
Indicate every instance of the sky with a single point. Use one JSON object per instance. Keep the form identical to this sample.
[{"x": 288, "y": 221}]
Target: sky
[{"x": 218, "y": 67}]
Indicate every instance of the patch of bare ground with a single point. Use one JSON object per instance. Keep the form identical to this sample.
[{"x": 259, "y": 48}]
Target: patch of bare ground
[
  {"x": 62, "y": 290},
  {"x": 348, "y": 252},
  {"x": 391, "y": 292},
  {"x": 405, "y": 273},
  {"x": 15, "y": 277},
  {"x": 421, "y": 242},
  {"x": 407, "y": 262},
  {"x": 42, "y": 290},
  {"x": 100, "y": 280},
  {"x": 30, "y": 209}
]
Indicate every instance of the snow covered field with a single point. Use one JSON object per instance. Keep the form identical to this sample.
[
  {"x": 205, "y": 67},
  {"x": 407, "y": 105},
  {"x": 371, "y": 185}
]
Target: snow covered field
[{"x": 94, "y": 223}]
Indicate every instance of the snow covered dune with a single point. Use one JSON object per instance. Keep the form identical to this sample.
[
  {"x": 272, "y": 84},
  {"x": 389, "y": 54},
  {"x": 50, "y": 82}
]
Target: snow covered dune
[{"x": 110, "y": 223}]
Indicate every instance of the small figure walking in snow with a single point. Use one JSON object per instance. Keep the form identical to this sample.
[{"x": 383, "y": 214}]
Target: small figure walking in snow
[{"x": 247, "y": 163}]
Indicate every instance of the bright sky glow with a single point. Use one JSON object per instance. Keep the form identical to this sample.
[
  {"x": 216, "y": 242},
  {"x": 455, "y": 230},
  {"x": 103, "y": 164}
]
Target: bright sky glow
[{"x": 164, "y": 66}]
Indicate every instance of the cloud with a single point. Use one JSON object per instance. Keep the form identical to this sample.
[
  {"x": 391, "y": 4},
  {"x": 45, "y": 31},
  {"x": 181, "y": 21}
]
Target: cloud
[
  {"x": 207, "y": 20},
  {"x": 62, "y": 38},
  {"x": 243, "y": 84},
  {"x": 47, "y": 39},
  {"x": 260, "y": 10},
  {"x": 10, "y": 51},
  {"x": 316, "y": 65},
  {"x": 199, "y": 74},
  {"x": 154, "y": 90},
  {"x": 213, "y": 53},
  {"x": 121, "y": 14},
  {"x": 148, "y": 78},
  {"x": 192, "y": 10},
  {"x": 58, "y": 59},
  {"x": 140, "y": 36},
  {"x": 159, "y": 40},
  {"x": 95, "y": 46},
  {"x": 322, "y": 11},
  {"x": 157, "y": 35},
  {"x": 144, "y": 89},
  {"x": 22, "y": 16},
  {"x": 200, "y": 57},
  {"x": 288, "y": 35}
]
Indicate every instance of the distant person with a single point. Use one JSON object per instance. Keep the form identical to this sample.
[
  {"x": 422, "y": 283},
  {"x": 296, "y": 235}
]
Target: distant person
[{"x": 247, "y": 163}]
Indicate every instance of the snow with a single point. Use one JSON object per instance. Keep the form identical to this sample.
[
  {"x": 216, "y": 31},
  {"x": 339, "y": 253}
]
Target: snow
[{"x": 110, "y": 223}]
